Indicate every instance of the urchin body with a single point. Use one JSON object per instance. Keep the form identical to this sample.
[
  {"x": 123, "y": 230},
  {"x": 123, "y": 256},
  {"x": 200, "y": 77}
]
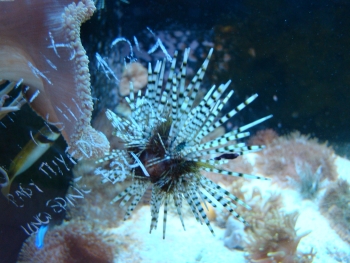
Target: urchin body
[{"x": 164, "y": 147}]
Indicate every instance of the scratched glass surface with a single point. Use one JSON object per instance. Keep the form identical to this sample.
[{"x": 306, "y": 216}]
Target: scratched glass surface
[{"x": 294, "y": 55}]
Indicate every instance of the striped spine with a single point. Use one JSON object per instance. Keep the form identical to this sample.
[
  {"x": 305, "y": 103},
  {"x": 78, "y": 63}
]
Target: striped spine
[{"x": 164, "y": 148}]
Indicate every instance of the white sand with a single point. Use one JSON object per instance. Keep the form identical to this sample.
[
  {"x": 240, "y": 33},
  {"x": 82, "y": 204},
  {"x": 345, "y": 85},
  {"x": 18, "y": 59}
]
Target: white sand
[{"x": 197, "y": 244}]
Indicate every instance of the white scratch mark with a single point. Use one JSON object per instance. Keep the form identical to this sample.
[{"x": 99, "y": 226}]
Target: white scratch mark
[
  {"x": 106, "y": 69},
  {"x": 54, "y": 123},
  {"x": 59, "y": 170},
  {"x": 41, "y": 169},
  {"x": 50, "y": 63},
  {"x": 37, "y": 187},
  {"x": 77, "y": 106},
  {"x": 62, "y": 161},
  {"x": 38, "y": 73},
  {"x": 53, "y": 44},
  {"x": 137, "y": 43},
  {"x": 71, "y": 113},
  {"x": 31, "y": 135}
]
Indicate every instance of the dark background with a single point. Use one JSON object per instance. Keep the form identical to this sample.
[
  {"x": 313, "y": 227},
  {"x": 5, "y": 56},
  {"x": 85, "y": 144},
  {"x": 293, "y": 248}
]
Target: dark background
[{"x": 301, "y": 65}]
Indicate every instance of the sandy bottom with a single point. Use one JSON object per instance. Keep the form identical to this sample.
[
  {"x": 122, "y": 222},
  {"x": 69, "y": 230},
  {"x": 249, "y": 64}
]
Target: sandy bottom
[{"x": 197, "y": 244}]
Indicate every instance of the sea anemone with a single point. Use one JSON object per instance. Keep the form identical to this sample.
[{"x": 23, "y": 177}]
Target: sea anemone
[
  {"x": 40, "y": 43},
  {"x": 163, "y": 147},
  {"x": 276, "y": 240},
  {"x": 271, "y": 236}
]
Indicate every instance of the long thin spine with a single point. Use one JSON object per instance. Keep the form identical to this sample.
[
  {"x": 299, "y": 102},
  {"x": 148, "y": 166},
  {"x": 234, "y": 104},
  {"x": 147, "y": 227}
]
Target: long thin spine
[
  {"x": 235, "y": 174},
  {"x": 200, "y": 210},
  {"x": 178, "y": 205},
  {"x": 174, "y": 103},
  {"x": 183, "y": 70},
  {"x": 156, "y": 201},
  {"x": 165, "y": 214},
  {"x": 233, "y": 112},
  {"x": 169, "y": 82},
  {"x": 121, "y": 195},
  {"x": 150, "y": 84},
  {"x": 239, "y": 148},
  {"x": 154, "y": 96},
  {"x": 192, "y": 206},
  {"x": 141, "y": 191},
  {"x": 212, "y": 116}
]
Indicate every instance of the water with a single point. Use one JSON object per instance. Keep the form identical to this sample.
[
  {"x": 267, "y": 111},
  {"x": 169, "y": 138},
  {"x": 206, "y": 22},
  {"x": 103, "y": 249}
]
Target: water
[{"x": 293, "y": 54}]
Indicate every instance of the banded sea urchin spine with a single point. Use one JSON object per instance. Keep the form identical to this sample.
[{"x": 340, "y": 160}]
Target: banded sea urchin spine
[{"x": 164, "y": 146}]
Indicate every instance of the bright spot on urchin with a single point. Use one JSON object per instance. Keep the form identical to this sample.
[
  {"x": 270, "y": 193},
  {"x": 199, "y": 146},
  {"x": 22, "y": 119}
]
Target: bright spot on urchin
[{"x": 164, "y": 148}]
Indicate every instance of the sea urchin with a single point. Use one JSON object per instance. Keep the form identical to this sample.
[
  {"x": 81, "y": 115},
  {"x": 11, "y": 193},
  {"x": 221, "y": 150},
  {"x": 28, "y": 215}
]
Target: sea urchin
[{"x": 164, "y": 146}]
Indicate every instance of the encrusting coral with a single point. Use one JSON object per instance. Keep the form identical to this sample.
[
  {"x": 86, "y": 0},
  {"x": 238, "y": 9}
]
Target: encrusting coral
[
  {"x": 298, "y": 161},
  {"x": 76, "y": 242},
  {"x": 335, "y": 205},
  {"x": 44, "y": 49},
  {"x": 95, "y": 207}
]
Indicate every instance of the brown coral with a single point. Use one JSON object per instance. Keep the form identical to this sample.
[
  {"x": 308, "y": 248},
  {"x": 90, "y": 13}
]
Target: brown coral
[
  {"x": 335, "y": 206},
  {"x": 70, "y": 242},
  {"x": 296, "y": 160}
]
